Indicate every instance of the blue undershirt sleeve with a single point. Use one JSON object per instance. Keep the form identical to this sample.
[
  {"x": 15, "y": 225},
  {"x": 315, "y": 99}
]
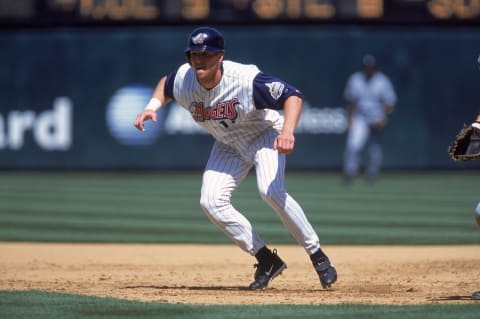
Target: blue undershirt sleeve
[
  {"x": 270, "y": 92},
  {"x": 168, "y": 89}
]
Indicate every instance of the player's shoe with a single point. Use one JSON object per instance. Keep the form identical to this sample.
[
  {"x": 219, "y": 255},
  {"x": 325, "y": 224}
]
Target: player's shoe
[
  {"x": 326, "y": 272},
  {"x": 267, "y": 271},
  {"x": 476, "y": 295}
]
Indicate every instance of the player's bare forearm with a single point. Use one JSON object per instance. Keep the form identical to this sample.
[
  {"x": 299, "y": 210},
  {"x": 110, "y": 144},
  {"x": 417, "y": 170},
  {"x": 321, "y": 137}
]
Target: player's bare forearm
[
  {"x": 292, "y": 112},
  {"x": 350, "y": 107},
  {"x": 159, "y": 92},
  {"x": 285, "y": 141},
  {"x": 158, "y": 99}
]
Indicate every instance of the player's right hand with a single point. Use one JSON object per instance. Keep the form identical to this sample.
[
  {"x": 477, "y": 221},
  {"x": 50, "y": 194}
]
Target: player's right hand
[{"x": 144, "y": 116}]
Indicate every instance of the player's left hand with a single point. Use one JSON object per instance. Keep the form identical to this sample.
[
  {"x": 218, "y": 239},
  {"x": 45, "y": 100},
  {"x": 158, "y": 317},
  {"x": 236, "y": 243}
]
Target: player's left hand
[
  {"x": 466, "y": 144},
  {"x": 379, "y": 125},
  {"x": 284, "y": 143}
]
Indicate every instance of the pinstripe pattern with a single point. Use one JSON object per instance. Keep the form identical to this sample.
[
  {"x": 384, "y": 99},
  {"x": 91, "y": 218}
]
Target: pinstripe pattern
[
  {"x": 244, "y": 139},
  {"x": 270, "y": 173},
  {"x": 224, "y": 171},
  {"x": 236, "y": 83}
]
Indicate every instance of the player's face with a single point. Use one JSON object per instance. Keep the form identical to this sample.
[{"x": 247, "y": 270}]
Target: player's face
[
  {"x": 207, "y": 67},
  {"x": 369, "y": 71}
]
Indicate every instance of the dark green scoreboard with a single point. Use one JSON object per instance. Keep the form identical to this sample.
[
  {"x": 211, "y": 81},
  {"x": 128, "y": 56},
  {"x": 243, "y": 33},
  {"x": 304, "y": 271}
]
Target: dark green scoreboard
[{"x": 39, "y": 13}]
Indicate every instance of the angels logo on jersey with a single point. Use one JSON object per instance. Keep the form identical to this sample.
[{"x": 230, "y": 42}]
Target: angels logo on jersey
[
  {"x": 220, "y": 111},
  {"x": 199, "y": 38},
  {"x": 275, "y": 89}
]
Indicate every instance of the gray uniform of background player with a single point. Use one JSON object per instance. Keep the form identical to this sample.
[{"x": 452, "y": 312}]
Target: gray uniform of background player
[{"x": 370, "y": 98}]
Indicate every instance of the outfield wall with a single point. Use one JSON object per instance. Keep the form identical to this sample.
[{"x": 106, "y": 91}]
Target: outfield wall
[{"x": 70, "y": 96}]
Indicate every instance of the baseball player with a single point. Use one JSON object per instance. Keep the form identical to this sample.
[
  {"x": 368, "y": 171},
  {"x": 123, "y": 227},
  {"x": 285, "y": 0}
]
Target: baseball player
[
  {"x": 370, "y": 99},
  {"x": 238, "y": 105},
  {"x": 476, "y": 124},
  {"x": 466, "y": 147}
]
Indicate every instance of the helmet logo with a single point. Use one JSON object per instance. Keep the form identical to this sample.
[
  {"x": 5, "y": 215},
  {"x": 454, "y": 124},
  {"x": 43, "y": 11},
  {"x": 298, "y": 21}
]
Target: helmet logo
[{"x": 199, "y": 38}]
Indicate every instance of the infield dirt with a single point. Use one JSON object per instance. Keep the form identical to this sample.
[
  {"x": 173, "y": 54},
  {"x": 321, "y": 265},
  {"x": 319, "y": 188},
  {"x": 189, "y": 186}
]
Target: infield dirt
[{"x": 218, "y": 274}]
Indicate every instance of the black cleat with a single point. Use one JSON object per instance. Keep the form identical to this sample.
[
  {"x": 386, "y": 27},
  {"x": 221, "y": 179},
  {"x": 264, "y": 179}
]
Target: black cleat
[
  {"x": 267, "y": 271},
  {"x": 326, "y": 272},
  {"x": 476, "y": 295}
]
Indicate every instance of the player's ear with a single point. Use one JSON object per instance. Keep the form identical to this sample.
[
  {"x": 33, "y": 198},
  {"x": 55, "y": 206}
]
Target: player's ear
[{"x": 221, "y": 56}]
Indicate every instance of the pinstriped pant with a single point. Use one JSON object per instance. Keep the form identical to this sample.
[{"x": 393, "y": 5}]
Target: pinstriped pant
[{"x": 224, "y": 172}]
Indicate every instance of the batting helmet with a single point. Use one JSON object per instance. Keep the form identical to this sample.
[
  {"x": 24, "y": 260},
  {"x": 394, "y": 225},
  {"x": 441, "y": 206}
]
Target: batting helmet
[
  {"x": 369, "y": 60},
  {"x": 205, "y": 39}
]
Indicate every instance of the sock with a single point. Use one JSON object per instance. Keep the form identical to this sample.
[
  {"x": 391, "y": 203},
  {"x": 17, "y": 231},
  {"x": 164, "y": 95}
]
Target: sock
[{"x": 317, "y": 255}]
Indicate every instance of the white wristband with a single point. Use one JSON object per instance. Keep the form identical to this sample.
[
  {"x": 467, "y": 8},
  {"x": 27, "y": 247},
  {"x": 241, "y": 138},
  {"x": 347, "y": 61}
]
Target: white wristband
[
  {"x": 476, "y": 125},
  {"x": 154, "y": 104}
]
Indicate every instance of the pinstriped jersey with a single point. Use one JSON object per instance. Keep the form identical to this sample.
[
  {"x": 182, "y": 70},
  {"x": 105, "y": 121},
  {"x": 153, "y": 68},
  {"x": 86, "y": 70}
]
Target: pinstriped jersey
[{"x": 229, "y": 111}]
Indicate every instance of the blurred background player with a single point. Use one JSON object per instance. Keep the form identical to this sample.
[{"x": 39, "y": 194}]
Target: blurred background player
[
  {"x": 476, "y": 124},
  {"x": 237, "y": 104},
  {"x": 370, "y": 98}
]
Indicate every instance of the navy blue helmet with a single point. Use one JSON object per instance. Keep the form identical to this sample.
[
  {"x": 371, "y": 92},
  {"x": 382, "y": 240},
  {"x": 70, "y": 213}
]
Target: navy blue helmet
[{"x": 205, "y": 39}]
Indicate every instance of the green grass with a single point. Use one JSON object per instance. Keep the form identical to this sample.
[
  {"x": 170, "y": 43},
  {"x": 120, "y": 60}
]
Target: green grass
[
  {"x": 37, "y": 305},
  {"x": 402, "y": 208}
]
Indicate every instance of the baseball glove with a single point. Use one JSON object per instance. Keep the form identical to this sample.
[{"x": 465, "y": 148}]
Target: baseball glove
[{"x": 466, "y": 145}]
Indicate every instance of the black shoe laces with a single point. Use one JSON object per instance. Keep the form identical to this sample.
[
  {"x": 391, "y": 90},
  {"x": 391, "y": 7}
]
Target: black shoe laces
[{"x": 262, "y": 266}]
